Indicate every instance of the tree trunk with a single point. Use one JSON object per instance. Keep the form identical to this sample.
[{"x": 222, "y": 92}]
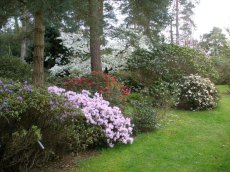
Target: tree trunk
[
  {"x": 17, "y": 29},
  {"x": 171, "y": 31},
  {"x": 23, "y": 49},
  {"x": 177, "y": 22},
  {"x": 24, "y": 41},
  {"x": 38, "y": 62},
  {"x": 96, "y": 30}
]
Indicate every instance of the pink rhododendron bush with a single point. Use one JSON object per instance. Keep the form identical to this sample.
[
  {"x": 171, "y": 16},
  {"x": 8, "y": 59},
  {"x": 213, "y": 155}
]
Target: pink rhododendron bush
[
  {"x": 97, "y": 111},
  {"x": 197, "y": 93}
]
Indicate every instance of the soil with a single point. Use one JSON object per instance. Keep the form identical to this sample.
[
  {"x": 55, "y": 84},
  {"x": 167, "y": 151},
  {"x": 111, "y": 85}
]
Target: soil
[{"x": 68, "y": 163}]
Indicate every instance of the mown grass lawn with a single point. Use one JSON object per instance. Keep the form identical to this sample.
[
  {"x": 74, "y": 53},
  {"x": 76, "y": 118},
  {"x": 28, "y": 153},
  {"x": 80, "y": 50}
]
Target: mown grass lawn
[{"x": 191, "y": 141}]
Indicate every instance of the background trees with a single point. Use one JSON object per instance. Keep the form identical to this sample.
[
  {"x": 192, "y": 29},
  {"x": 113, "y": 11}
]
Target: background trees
[
  {"x": 111, "y": 31},
  {"x": 148, "y": 17},
  {"x": 215, "y": 43},
  {"x": 182, "y": 24}
]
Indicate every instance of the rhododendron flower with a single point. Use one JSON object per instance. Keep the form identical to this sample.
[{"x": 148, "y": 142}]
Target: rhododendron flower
[{"x": 97, "y": 111}]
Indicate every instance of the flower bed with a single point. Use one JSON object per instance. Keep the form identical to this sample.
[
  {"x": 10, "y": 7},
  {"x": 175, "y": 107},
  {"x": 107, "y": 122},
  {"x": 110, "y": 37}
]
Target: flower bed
[
  {"x": 107, "y": 85},
  {"x": 97, "y": 111}
]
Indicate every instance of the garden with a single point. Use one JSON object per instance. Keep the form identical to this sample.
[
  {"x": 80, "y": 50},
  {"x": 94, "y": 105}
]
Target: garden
[
  {"x": 70, "y": 101},
  {"x": 100, "y": 112}
]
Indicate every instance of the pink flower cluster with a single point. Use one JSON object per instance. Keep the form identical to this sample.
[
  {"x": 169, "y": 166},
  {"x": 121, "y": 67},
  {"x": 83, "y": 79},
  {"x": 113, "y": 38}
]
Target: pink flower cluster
[{"x": 97, "y": 111}]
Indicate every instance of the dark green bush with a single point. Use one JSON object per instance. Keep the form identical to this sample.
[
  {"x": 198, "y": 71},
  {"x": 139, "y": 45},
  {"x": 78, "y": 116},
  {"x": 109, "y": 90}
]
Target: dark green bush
[
  {"x": 13, "y": 68},
  {"x": 54, "y": 80},
  {"x": 130, "y": 80},
  {"x": 144, "y": 118},
  {"x": 29, "y": 116},
  {"x": 163, "y": 94},
  {"x": 89, "y": 136},
  {"x": 134, "y": 96},
  {"x": 143, "y": 115}
]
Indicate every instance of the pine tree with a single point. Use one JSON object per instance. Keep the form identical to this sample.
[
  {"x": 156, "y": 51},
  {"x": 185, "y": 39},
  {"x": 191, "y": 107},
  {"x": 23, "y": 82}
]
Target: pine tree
[
  {"x": 149, "y": 16},
  {"x": 215, "y": 43},
  {"x": 182, "y": 22},
  {"x": 96, "y": 33}
]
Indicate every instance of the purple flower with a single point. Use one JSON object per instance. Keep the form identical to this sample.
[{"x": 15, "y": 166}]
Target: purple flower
[
  {"x": 19, "y": 98},
  {"x": 52, "y": 104},
  {"x": 4, "y": 104},
  {"x": 98, "y": 112},
  {"x": 5, "y": 85},
  {"x": 9, "y": 91},
  {"x": 27, "y": 88},
  {"x": 56, "y": 90}
]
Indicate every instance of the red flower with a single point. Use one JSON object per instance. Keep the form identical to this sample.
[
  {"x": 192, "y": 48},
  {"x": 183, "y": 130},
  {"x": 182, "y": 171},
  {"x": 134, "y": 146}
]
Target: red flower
[{"x": 101, "y": 91}]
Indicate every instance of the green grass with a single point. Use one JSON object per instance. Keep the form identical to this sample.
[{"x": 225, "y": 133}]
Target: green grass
[
  {"x": 223, "y": 88},
  {"x": 190, "y": 142}
]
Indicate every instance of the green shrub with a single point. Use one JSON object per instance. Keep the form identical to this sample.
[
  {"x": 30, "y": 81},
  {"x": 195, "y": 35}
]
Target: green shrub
[
  {"x": 144, "y": 119},
  {"x": 143, "y": 115},
  {"x": 134, "y": 96},
  {"x": 130, "y": 80},
  {"x": 89, "y": 136},
  {"x": 13, "y": 68},
  {"x": 76, "y": 136},
  {"x": 222, "y": 65},
  {"x": 197, "y": 93},
  {"x": 163, "y": 94},
  {"x": 55, "y": 80},
  {"x": 170, "y": 63},
  {"x": 29, "y": 116}
]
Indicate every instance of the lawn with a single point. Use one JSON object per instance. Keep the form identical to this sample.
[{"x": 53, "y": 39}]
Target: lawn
[
  {"x": 223, "y": 89},
  {"x": 190, "y": 141}
]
